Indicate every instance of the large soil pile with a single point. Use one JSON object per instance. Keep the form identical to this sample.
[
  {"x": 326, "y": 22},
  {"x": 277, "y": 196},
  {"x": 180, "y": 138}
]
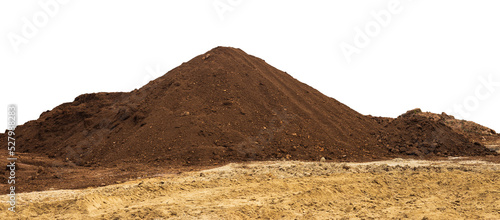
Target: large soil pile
[{"x": 226, "y": 105}]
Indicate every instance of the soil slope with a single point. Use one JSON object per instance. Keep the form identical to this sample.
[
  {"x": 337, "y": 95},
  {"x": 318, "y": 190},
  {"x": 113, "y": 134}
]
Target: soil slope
[{"x": 227, "y": 106}]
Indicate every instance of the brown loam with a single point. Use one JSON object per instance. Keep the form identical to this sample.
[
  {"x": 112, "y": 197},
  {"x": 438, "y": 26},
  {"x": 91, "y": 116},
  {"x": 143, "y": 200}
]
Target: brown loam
[{"x": 227, "y": 106}]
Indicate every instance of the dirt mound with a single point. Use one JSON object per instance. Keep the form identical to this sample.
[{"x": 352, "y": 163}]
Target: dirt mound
[
  {"x": 473, "y": 131},
  {"x": 225, "y": 106},
  {"x": 476, "y": 133},
  {"x": 221, "y": 106},
  {"x": 426, "y": 134}
]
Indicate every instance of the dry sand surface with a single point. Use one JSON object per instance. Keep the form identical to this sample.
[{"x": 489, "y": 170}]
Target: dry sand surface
[{"x": 395, "y": 189}]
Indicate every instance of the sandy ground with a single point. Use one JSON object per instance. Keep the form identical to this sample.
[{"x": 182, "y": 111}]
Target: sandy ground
[{"x": 395, "y": 189}]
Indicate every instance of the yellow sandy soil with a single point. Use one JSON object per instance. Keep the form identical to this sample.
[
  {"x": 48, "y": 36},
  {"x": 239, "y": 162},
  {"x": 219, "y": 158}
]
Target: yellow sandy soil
[{"x": 395, "y": 189}]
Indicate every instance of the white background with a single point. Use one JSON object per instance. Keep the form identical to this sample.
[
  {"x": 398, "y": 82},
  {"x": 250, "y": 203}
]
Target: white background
[{"x": 429, "y": 54}]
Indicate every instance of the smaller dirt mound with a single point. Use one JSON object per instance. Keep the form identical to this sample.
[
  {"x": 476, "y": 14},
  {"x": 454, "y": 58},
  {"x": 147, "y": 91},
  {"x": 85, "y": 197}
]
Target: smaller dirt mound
[
  {"x": 418, "y": 133},
  {"x": 471, "y": 130},
  {"x": 466, "y": 127}
]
